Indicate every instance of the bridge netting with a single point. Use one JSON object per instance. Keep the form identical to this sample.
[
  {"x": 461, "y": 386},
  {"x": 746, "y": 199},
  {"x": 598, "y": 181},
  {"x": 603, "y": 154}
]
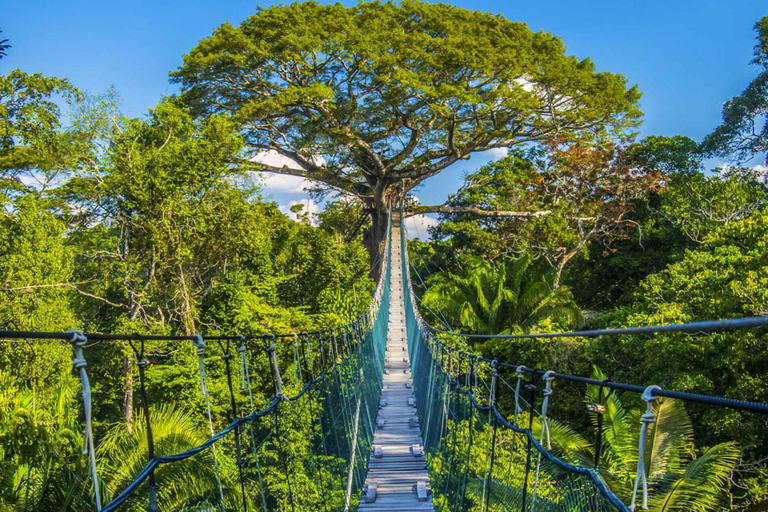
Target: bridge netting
[
  {"x": 308, "y": 447},
  {"x": 479, "y": 458}
]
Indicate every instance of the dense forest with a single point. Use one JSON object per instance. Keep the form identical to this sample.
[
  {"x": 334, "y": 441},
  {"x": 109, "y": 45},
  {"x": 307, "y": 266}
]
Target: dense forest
[{"x": 158, "y": 225}]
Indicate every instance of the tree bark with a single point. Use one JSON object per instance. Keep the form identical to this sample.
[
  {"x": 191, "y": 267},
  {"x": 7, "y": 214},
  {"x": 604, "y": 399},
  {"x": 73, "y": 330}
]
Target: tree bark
[
  {"x": 186, "y": 311},
  {"x": 375, "y": 239}
]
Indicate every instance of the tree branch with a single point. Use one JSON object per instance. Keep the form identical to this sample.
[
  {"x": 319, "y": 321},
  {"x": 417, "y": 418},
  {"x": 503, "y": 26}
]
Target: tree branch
[
  {"x": 71, "y": 286},
  {"x": 418, "y": 210},
  {"x": 101, "y": 299},
  {"x": 328, "y": 178}
]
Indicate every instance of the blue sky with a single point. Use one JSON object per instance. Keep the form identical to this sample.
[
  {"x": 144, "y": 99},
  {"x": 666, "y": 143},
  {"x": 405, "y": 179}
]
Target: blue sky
[{"x": 688, "y": 57}]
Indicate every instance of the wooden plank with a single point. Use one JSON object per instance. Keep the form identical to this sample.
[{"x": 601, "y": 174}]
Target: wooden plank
[{"x": 397, "y": 469}]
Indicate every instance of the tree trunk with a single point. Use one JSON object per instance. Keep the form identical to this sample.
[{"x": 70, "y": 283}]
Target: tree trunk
[
  {"x": 186, "y": 312},
  {"x": 376, "y": 238}
]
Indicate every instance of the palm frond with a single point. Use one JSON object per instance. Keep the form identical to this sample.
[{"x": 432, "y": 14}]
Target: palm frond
[
  {"x": 670, "y": 438},
  {"x": 701, "y": 487}
]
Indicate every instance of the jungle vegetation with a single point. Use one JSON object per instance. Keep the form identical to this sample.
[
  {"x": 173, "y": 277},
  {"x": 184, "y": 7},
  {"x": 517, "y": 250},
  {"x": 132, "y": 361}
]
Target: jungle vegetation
[{"x": 157, "y": 225}]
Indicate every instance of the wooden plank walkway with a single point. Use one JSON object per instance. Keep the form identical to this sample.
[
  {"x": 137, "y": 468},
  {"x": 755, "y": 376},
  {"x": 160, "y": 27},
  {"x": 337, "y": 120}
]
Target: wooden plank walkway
[{"x": 397, "y": 477}]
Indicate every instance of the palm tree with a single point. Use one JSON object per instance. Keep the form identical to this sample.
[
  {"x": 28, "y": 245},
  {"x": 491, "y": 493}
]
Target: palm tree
[
  {"x": 679, "y": 479},
  {"x": 180, "y": 485},
  {"x": 500, "y": 299},
  {"x": 3, "y": 46}
]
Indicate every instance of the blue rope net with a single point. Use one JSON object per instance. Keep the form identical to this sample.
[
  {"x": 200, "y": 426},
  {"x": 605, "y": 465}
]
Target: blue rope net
[
  {"x": 308, "y": 451},
  {"x": 478, "y": 460}
]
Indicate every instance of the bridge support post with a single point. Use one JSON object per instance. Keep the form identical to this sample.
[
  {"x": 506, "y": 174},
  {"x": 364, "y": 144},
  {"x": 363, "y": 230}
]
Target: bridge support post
[{"x": 532, "y": 402}]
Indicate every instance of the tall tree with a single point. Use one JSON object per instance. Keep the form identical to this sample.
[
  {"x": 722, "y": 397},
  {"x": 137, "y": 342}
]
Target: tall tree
[
  {"x": 373, "y": 99},
  {"x": 741, "y": 135},
  {"x": 33, "y": 149},
  {"x": 550, "y": 205},
  {"x": 158, "y": 215}
]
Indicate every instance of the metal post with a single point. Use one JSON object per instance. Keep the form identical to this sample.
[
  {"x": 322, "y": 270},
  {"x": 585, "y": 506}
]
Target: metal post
[
  {"x": 532, "y": 398},
  {"x": 305, "y": 349},
  {"x": 228, "y": 368},
  {"x": 143, "y": 363}
]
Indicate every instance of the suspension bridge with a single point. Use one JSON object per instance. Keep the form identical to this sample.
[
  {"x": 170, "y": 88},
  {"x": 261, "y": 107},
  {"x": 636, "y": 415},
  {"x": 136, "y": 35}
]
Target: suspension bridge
[{"x": 382, "y": 414}]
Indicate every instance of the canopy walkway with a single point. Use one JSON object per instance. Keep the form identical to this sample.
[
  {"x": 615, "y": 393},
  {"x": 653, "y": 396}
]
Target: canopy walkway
[
  {"x": 397, "y": 468},
  {"x": 380, "y": 414}
]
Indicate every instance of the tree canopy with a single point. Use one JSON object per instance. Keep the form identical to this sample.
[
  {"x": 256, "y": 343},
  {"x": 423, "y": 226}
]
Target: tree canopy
[
  {"x": 550, "y": 203},
  {"x": 741, "y": 135},
  {"x": 383, "y": 95}
]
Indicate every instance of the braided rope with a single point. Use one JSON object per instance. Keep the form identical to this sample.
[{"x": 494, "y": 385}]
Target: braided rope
[
  {"x": 197, "y": 341},
  {"x": 647, "y": 418},
  {"x": 78, "y": 341}
]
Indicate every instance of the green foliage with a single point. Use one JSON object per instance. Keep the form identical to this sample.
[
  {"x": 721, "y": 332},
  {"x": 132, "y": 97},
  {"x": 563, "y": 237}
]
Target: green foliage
[
  {"x": 391, "y": 93},
  {"x": 153, "y": 225},
  {"x": 167, "y": 212},
  {"x": 720, "y": 279},
  {"x": 3, "y": 46},
  {"x": 341, "y": 306},
  {"x": 35, "y": 267},
  {"x": 676, "y": 155},
  {"x": 346, "y": 218},
  {"x": 680, "y": 478},
  {"x": 605, "y": 276},
  {"x": 691, "y": 205},
  {"x": 740, "y": 135},
  {"x": 41, "y": 465},
  {"x": 551, "y": 203},
  {"x": 140, "y": 225},
  {"x": 182, "y": 484},
  {"x": 698, "y": 204},
  {"x": 33, "y": 150},
  {"x": 501, "y": 298}
]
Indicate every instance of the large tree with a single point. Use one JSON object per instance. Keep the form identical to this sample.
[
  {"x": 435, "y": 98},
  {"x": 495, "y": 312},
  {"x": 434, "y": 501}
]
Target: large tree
[
  {"x": 741, "y": 135},
  {"x": 373, "y": 99},
  {"x": 33, "y": 147},
  {"x": 551, "y": 204}
]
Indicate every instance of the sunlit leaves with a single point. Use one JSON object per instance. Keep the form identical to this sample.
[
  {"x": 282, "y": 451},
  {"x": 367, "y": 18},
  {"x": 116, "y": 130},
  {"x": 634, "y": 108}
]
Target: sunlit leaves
[{"x": 744, "y": 131}]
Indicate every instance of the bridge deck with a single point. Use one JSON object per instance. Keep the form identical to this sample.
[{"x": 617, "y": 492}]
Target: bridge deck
[{"x": 398, "y": 474}]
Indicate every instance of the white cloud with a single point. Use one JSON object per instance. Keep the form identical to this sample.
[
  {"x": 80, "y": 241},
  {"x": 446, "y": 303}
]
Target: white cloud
[
  {"x": 283, "y": 183},
  {"x": 497, "y": 153},
  {"x": 272, "y": 158},
  {"x": 417, "y": 226},
  {"x": 525, "y": 84},
  {"x": 309, "y": 206},
  {"x": 762, "y": 172}
]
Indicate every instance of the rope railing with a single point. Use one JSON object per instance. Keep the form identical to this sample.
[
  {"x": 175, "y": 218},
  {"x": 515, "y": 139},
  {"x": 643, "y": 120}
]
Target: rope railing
[
  {"x": 478, "y": 459},
  {"x": 350, "y": 359},
  {"x": 306, "y": 448},
  {"x": 692, "y": 327},
  {"x": 483, "y": 459}
]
